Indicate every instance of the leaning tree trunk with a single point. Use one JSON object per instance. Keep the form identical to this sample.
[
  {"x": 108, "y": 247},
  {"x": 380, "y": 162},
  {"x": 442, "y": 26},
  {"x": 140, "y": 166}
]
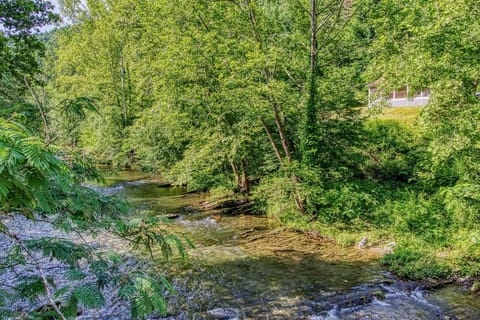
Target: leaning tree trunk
[
  {"x": 235, "y": 173},
  {"x": 245, "y": 184}
]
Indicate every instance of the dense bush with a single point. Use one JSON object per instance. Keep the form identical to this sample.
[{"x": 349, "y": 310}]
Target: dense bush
[
  {"x": 390, "y": 151},
  {"x": 415, "y": 265}
]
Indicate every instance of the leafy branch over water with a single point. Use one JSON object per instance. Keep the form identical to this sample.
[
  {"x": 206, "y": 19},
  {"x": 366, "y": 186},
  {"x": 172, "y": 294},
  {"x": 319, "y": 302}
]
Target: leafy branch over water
[{"x": 42, "y": 188}]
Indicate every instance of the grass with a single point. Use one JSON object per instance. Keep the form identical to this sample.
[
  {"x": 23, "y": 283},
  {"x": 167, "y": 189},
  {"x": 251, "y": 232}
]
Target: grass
[
  {"x": 412, "y": 257},
  {"x": 404, "y": 115}
]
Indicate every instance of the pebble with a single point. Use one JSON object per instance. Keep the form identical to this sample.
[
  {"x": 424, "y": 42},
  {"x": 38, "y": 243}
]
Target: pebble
[
  {"x": 224, "y": 313},
  {"x": 362, "y": 243}
]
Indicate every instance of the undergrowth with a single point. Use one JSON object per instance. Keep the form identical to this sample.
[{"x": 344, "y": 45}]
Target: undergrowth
[{"x": 397, "y": 194}]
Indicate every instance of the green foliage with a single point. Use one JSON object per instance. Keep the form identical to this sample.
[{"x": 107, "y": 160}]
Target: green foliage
[
  {"x": 415, "y": 265},
  {"x": 31, "y": 288},
  {"x": 77, "y": 108},
  {"x": 422, "y": 217},
  {"x": 344, "y": 204},
  {"x": 390, "y": 152},
  {"x": 468, "y": 258},
  {"x": 27, "y": 169},
  {"x": 44, "y": 184},
  {"x": 462, "y": 202},
  {"x": 220, "y": 94},
  {"x": 146, "y": 295},
  {"x": 159, "y": 137},
  {"x": 89, "y": 296},
  {"x": 61, "y": 250},
  {"x": 19, "y": 52},
  {"x": 192, "y": 95},
  {"x": 144, "y": 233},
  {"x": 275, "y": 195},
  {"x": 69, "y": 116}
]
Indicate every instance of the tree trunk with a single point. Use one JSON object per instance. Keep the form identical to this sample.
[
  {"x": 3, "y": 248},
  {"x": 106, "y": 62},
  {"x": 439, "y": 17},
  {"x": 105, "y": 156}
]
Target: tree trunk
[
  {"x": 123, "y": 88},
  {"x": 313, "y": 37},
  {"x": 245, "y": 188},
  {"x": 281, "y": 132},
  {"x": 272, "y": 142},
  {"x": 298, "y": 197},
  {"x": 235, "y": 173},
  {"x": 309, "y": 139}
]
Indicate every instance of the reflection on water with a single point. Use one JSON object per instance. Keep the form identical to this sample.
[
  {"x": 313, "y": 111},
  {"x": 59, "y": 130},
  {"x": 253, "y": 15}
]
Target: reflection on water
[
  {"x": 147, "y": 192},
  {"x": 248, "y": 264},
  {"x": 457, "y": 301}
]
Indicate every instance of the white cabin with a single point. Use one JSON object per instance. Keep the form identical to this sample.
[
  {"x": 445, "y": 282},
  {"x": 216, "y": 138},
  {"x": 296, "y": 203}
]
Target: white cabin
[{"x": 401, "y": 97}]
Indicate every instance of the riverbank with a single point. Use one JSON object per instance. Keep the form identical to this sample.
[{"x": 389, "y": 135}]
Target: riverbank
[
  {"x": 255, "y": 266},
  {"x": 428, "y": 266},
  {"x": 251, "y": 267},
  {"x": 407, "y": 256}
]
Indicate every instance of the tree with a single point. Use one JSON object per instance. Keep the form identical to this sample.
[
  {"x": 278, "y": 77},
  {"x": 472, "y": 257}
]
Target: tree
[
  {"x": 432, "y": 46},
  {"x": 19, "y": 49},
  {"x": 40, "y": 183}
]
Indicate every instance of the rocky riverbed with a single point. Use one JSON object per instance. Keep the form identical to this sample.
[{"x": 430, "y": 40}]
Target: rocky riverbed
[{"x": 27, "y": 230}]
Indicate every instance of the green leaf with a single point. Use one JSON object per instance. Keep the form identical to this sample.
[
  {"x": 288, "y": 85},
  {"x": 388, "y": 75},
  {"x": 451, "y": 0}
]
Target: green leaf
[
  {"x": 89, "y": 296},
  {"x": 75, "y": 275}
]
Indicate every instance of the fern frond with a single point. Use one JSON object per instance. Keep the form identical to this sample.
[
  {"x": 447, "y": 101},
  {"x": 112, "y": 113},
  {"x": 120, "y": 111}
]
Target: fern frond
[
  {"x": 77, "y": 107},
  {"x": 89, "y": 296},
  {"x": 62, "y": 291},
  {"x": 75, "y": 275},
  {"x": 31, "y": 288},
  {"x": 4, "y": 297},
  {"x": 70, "y": 309},
  {"x": 62, "y": 250}
]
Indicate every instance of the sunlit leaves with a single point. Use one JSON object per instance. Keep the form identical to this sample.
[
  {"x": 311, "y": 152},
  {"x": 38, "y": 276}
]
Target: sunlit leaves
[
  {"x": 26, "y": 169},
  {"x": 146, "y": 295}
]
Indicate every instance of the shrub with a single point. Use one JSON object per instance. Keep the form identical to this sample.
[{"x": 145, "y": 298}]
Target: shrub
[
  {"x": 462, "y": 202},
  {"x": 415, "y": 265},
  {"x": 420, "y": 216},
  {"x": 344, "y": 204},
  {"x": 390, "y": 151},
  {"x": 275, "y": 196}
]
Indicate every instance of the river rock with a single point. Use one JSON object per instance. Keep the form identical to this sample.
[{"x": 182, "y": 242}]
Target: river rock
[
  {"x": 475, "y": 288},
  {"x": 362, "y": 243},
  {"x": 388, "y": 248},
  {"x": 172, "y": 216},
  {"x": 224, "y": 313}
]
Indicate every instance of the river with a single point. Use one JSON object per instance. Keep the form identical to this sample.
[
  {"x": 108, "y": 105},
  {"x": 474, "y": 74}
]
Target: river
[{"x": 248, "y": 267}]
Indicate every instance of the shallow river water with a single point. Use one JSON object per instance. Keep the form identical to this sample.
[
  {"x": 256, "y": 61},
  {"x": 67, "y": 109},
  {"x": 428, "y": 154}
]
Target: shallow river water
[{"x": 247, "y": 267}]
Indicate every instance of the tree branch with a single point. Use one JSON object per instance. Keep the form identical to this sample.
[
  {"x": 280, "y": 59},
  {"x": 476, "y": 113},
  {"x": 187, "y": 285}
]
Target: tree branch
[{"x": 41, "y": 273}]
